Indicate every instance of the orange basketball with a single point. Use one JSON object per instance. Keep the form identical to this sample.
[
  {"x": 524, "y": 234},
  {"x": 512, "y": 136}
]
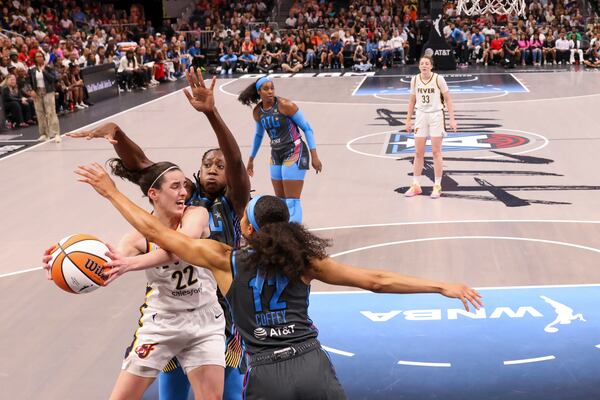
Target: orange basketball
[{"x": 77, "y": 263}]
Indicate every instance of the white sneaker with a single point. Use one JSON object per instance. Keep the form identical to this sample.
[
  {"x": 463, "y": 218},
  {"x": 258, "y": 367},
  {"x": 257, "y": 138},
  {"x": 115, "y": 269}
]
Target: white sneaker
[
  {"x": 222, "y": 72},
  {"x": 83, "y": 105},
  {"x": 230, "y": 72},
  {"x": 172, "y": 79},
  {"x": 414, "y": 190},
  {"x": 436, "y": 193},
  {"x": 79, "y": 107}
]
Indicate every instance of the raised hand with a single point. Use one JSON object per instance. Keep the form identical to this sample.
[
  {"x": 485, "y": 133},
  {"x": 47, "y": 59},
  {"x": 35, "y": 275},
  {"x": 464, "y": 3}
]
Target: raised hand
[
  {"x": 106, "y": 131},
  {"x": 464, "y": 293},
  {"x": 202, "y": 97},
  {"x": 96, "y": 177}
]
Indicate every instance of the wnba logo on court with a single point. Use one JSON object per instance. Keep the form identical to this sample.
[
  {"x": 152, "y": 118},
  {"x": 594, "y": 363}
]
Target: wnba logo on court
[
  {"x": 144, "y": 350},
  {"x": 402, "y": 143}
]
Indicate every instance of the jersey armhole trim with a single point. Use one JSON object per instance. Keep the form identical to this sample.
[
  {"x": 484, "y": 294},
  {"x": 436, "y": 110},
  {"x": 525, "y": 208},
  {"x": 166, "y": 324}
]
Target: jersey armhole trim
[{"x": 233, "y": 267}]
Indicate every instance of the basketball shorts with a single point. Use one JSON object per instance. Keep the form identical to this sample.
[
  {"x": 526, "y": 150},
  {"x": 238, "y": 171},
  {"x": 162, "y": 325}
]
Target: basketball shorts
[
  {"x": 311, "y": 374},
  {"x": 430, "y": 124},
  {"x": 290, "y": 164},
  {"x": 196, "y": 337}
]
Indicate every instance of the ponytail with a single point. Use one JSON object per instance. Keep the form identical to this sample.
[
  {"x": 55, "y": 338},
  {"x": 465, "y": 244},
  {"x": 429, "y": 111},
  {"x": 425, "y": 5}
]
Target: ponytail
[
  {"x": 147, "y": 178},
  {"x": 249, "y": 95}
]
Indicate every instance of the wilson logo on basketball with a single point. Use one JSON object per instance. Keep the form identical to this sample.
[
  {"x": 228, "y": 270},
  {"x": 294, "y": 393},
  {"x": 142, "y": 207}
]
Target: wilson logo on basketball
[
  {"x": 400, "y": 143},
  {"x": 144, "y": 350},
  {"x": 94, "y": 267}
]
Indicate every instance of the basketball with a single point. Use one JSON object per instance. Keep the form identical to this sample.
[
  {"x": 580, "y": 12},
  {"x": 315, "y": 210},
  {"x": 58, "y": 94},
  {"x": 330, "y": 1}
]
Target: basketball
[{"x": 77, "y": 264}]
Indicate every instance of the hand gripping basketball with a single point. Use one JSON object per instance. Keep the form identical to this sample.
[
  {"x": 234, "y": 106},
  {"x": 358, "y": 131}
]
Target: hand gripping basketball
[
  {"x": 77, "y": 263},
  {"x": 118, "y": 264}
]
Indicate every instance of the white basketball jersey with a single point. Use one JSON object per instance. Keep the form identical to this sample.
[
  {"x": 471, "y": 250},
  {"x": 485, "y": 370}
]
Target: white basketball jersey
[
  {"x": 179, "y": 286},
  {"x": 428, "y": 93}
]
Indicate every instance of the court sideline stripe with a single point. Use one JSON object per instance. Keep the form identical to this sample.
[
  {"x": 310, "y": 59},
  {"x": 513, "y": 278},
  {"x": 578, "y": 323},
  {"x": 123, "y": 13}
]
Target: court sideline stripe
[
  {"x": 92, "y": 124},
  {"x": 330, "y": 228},
  {"x": 425, "y": 364},
  {"x": 529, "y": 360}
]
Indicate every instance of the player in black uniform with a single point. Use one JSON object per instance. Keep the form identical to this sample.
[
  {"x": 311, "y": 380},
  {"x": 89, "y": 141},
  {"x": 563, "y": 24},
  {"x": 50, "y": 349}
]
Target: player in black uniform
[
  {"x": 267, "y": 286},
  {"x": 222, "y": 186}
]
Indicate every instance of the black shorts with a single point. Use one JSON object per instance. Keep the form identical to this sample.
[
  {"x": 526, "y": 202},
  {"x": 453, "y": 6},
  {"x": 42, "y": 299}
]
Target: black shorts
[
  {"x": 296, "y": 154},
  {"x": 309, "y": 375}
]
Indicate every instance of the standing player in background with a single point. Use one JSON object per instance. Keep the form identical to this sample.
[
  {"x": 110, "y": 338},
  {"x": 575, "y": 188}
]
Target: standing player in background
[
  {"x": 272, "y": 276},
  {"x": 221, "y": 186},
  {"x": 289, "y": 155},
  {"x": 428, "y": 94}
]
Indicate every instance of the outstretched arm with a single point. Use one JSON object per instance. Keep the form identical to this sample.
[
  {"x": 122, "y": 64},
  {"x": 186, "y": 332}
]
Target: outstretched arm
[
  {"x": 132, "y": 155},
  {"x": 202, "y": 99},
  {"x": 204, "y": 253},
  {"x": 193, "y": 224},
  {"x": 330, "y": 271}
]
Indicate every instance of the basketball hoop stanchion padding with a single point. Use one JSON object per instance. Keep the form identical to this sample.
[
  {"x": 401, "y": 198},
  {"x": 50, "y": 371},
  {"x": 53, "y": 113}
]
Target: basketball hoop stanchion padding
[
  {"x": 503, "y": 7},
  {"x": 441, "y": 52}
]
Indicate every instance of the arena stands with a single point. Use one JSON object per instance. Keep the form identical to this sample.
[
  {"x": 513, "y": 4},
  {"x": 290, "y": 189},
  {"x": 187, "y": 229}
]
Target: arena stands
[{"x": 240, "y": 37}]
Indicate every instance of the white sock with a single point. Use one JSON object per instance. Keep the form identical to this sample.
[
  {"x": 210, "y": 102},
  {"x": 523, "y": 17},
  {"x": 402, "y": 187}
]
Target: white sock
[
  {"x": 416, "y": 180},
  {"x": 438, "y": 180}
]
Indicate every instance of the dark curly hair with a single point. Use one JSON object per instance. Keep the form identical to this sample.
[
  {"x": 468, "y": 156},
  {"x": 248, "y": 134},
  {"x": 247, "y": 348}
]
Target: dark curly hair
[
  {"x": 282, "y": 246},
  {"x": 144, "y": 177},
  {"x": 249, "y": 95}
]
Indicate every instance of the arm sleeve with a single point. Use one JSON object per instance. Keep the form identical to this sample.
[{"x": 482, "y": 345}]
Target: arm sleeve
[
  {"x": 258, "y": 136},
  {"x": 299, "y": 120}
]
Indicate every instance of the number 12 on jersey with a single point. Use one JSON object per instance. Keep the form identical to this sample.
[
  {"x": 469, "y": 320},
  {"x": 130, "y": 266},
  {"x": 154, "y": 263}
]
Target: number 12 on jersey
[{"x": 257, "y": 283}]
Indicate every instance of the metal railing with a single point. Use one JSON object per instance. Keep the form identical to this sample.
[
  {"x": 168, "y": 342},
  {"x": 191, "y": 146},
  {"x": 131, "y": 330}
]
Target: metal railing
[{"x": 204, "y": 37}]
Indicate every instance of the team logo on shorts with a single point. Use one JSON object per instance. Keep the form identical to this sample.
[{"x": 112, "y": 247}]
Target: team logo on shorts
[
  {"x": 402, "y": 143},
  {"x": 144, "y": 350},
  {"x": 260, "y": 333}
]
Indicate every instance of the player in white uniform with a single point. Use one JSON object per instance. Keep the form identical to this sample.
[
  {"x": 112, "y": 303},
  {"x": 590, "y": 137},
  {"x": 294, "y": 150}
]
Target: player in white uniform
[
  {"x": 181, "y": 316},
  {"x": 428, "y": 95}
]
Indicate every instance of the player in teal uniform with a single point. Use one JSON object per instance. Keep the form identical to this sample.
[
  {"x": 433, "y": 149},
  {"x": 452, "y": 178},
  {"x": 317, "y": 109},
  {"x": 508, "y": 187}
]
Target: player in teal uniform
[
  {"x": 282, "y": 120},
  {"x": 267, "y": 286}
]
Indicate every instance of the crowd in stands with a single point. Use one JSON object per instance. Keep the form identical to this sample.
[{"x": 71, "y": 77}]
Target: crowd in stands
[
  {"x": 227, "y": 37},
  {"x": 73, "y": 35},
  {"x": 372, "y": 34}
]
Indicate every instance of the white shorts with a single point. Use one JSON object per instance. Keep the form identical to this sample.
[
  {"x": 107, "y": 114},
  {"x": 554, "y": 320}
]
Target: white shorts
[
  {"x": 195, "y": 337},
  {"x": 430, "y": 124}
]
